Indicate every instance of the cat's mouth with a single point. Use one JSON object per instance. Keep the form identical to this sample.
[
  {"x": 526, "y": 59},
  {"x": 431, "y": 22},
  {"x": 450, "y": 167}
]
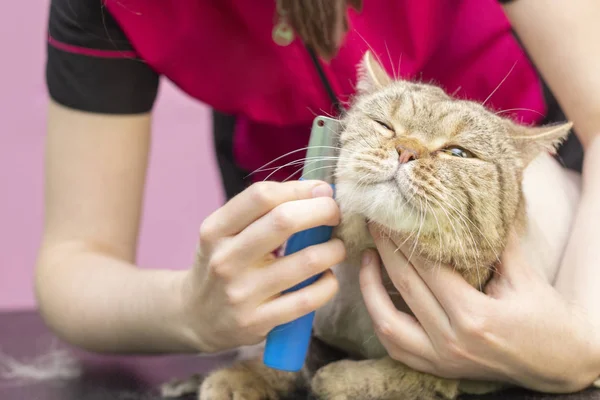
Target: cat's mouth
[
  {"x": 400, "y": 190},
  {"x": 403, "y": 188}
]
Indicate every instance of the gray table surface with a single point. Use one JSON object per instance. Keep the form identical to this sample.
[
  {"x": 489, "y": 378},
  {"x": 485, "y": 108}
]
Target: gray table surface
[{"x": 24, "y": 337}]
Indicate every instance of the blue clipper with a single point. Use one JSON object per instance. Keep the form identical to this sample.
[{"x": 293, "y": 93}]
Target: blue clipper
[{"x": 287, "y": 345}]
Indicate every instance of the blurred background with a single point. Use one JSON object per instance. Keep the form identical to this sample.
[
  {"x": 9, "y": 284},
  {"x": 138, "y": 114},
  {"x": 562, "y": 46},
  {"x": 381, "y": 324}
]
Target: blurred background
[{"x": 183, "y": 180}]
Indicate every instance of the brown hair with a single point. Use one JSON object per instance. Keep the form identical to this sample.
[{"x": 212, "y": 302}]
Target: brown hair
[{"x": 320, "y": 24}]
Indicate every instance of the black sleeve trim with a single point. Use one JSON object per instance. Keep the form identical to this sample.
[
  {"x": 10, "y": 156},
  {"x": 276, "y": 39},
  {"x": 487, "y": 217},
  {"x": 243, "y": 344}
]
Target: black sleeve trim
[{"x": 91, "y": 65}]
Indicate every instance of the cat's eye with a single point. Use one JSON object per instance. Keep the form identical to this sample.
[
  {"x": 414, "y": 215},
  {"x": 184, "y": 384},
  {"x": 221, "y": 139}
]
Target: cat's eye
[
  {"x": 457, "y": 151},
  {"x": 386, "y": 126}
]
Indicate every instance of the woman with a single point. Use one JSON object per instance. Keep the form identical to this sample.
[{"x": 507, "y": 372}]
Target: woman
[{"x": 244, "y": 59}]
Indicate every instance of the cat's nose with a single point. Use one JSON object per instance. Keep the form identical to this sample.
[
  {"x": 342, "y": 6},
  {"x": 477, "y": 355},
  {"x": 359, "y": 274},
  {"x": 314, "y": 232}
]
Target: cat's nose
[{"x": 406, "y": 154}]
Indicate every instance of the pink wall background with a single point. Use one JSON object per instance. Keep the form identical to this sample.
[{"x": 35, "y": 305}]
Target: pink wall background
[{"x": 183, "y": 185}]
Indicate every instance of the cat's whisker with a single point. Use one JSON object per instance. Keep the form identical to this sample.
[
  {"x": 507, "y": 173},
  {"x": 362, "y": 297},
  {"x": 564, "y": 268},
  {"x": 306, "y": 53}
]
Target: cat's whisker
[
  {"x": 279, "y": 158},
  {"x": 473, "y": 242},
  {"x": 464, "y": 224},
  {"x": 413, "y": 191},
  {"x": 290, "y": 164},
  {"x": 412, "y": 232},
  {"x": 453, "y": 94},
  {"x": 301, "y": 169},
  {"x": 365, "y": 141},
  {"x": 299, "y": 161},
  {"x": 461, "y": 214},
  {"x": 368, "y": 340},
  {"x": 277, "y": 169},
  {"x": 298, "y": 170},
  {"x": 332, "y": 131},
  {"x": 548, "y": 133},
  {"x": 293, "y": 152},
  {"x": 369, "y": 46},
  {"x": 352, "y": 84},
  {"x": 304, "y": 165},
  {"x": 472, "y": 224},
  {"x": 416, "y": 242},
  {"x": 362, "y": 181},
  {"x": 391, "y": 63},
  {"x": 319, "y": 168},
  {"x": 452, "y": 225},
  {"x": 439, "y": 230},
  {"x": 518, "y": 109},
  {"x": 500, "y": 84},
  {"x": 393, "y": 216},
  {"x": 399, "y": 62},
  {"x": 323, "y": 112},
  {"x": 296, "y": 162},
  {"x": 413, "y": 210}
]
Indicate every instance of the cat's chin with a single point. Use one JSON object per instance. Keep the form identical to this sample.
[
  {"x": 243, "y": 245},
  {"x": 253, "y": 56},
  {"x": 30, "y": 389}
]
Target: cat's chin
[
  {"x": 378, "y": 210},
  {"x": 361, "y": 204}
]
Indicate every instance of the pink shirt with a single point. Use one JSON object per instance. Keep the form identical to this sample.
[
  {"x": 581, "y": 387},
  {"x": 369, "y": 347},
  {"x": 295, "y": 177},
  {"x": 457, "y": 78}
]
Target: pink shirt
[{"x": 222, "y": 53}]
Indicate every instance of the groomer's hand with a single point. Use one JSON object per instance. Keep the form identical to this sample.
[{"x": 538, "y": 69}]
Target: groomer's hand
[
  {"x": 521, "y": 330},
  {"x": 232, "y": 295}
]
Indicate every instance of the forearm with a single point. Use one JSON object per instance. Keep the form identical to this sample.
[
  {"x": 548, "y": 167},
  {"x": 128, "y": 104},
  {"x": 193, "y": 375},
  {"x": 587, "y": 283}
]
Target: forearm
[
  {"x": 104, "y": 304},
  {"x": 562, "y": 39},
  {"x": 579, "y": 275}
]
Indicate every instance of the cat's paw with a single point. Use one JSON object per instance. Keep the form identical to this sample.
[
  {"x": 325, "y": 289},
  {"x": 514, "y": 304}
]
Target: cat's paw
[
  {"x": 331, "y": 381},
  {"x": 383, "y": 379},
  {"x": 236, "y": 383},
  {"x": 181, "y": 387},
  {"x": 480, "y": 387}
]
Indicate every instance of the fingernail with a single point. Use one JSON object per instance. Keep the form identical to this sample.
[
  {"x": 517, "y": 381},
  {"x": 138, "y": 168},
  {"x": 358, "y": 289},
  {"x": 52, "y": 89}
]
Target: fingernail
[
  {"x": 366, "y": 259},
  {"x": 322, "y": 190},
  {"x": 375, "y": 233}
]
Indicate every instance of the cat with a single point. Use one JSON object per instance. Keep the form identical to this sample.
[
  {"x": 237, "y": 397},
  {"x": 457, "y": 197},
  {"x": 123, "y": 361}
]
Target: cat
[{"x": 453, "y": 179}]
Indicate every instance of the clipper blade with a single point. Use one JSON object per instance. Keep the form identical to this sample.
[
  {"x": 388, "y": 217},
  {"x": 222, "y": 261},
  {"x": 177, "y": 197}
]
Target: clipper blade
[{"x": 323, "y": 150}]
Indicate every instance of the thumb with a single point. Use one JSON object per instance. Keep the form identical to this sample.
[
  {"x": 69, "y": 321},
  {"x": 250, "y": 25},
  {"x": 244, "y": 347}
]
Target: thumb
[{"x": 513, "y": 267}]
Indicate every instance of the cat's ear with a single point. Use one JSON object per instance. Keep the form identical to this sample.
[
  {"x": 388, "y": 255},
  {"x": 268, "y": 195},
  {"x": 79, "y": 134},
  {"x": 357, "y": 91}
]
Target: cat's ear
[
  {"x": 371, "y": 75},
  {"x": 531, "y": 141}
]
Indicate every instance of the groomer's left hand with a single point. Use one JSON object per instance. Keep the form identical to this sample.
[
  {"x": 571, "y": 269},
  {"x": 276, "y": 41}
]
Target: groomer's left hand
[{"x": 519, "y": 331}]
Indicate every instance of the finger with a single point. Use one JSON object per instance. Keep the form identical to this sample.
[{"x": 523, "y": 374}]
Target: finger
[
  {"x": 414, "y": 361},
  {"x": 256, "y": 201},
  {"x": 450, "y": 289},
  {"x": 513, "y": 267},
  {"x": 293, "y": 305},
  {"x": 412, "y": 288},
  {"x": 293, "y": 269},
  {"x": 397, "y": 329},
  {"x": 273, "y": 229}
]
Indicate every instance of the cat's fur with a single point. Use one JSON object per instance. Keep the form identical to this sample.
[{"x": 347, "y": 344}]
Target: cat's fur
[{"x": 454, "y": 210}]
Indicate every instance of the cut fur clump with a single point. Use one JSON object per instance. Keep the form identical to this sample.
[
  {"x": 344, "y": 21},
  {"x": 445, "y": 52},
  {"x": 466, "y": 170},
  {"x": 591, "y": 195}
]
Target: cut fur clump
[
  {"x": 56, "y": 365},
  {"x": 451, "y": 179}
]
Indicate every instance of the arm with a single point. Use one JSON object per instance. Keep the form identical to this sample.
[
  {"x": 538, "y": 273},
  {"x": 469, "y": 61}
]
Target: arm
[
  {"x": 88, "y": 288},
  {"x": 460, "y": 341},
  {"x": 95, "y": 171},
  {"x": 562, "y": 40},
  {"x": 91, "y": 293}
]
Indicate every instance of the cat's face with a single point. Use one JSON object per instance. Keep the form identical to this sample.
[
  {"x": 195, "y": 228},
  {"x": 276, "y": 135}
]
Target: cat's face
[{"x": 445, "y": 172}]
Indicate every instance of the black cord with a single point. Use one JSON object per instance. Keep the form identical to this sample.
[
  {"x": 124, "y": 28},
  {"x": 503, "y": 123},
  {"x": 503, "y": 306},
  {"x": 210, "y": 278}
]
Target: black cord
[{"x": 325, "y": 81}]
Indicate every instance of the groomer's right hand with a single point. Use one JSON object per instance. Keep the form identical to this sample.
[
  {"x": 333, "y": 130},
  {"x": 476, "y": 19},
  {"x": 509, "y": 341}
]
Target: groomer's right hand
[{"x": 232, "y": 295}]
